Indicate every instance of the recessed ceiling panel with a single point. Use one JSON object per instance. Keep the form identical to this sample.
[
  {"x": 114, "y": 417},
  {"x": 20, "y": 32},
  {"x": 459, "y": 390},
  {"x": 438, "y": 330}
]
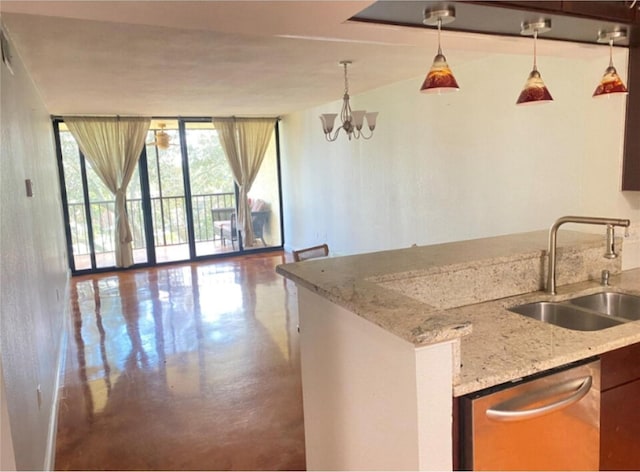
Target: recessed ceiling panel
[{"x": 488, "y": 19}]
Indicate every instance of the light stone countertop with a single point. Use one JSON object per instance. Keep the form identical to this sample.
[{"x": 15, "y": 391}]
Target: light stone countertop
[
  {"x": 496, "y": 345},
  {"x": 506, "y": 346}
]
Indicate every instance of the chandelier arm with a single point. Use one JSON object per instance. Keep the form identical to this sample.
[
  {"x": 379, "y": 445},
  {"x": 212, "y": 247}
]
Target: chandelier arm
[
  {"x": 364, "y": 136},
  {"x": 330, "y": 138},
  {"x": 345, "y": 113}
]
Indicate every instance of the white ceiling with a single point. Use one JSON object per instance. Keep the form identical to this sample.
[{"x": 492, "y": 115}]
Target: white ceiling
[{"x": 204, "y": 58}]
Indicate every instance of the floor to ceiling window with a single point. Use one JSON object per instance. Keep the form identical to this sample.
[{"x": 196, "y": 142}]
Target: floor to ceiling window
[{"x": 181, "y": 201}]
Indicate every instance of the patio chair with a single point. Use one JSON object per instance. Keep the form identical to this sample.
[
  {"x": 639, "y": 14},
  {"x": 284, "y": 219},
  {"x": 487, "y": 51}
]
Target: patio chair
[{"x": 311, "y": 252}]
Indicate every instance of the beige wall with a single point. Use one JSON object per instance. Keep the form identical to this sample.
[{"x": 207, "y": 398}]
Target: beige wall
[
  {"x": 32, "y": 269},
  {"x": 463, "y": 165}
]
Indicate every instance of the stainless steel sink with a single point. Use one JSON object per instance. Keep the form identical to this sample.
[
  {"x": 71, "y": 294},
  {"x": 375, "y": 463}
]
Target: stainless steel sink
[
  {"x": 617, "y": 304},
  {"x": 566, "y": 316}
]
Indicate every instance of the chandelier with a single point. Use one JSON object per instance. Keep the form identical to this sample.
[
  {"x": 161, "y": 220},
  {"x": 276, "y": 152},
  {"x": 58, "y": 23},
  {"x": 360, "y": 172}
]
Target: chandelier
[{"x": 352, "y": 121}]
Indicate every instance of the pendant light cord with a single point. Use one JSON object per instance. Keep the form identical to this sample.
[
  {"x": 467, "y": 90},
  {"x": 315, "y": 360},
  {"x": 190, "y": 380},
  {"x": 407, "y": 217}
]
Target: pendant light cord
[
  {"x": 535, "y": 50},
  {"x": 610, "y": 52},
  {"x": 439, "y": 27}
]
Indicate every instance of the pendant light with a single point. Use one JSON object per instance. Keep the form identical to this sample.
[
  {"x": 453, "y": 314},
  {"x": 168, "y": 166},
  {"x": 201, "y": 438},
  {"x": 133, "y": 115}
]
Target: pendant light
[
  {"x": 439, "y": 78},
  {"x": 611, "y": 83},
  {"x": 534, "y": 91}
]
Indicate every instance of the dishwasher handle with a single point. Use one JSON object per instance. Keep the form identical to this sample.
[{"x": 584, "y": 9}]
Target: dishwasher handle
[{"x": 505, "y": 411}]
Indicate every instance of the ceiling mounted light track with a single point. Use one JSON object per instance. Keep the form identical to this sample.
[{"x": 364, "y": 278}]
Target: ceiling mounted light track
[
  {"x": 352, "y": 121},
  {"x": 534, "y": 91},
  {"x": 611, "y": 83},
  {"x": 439, "y": 78}
]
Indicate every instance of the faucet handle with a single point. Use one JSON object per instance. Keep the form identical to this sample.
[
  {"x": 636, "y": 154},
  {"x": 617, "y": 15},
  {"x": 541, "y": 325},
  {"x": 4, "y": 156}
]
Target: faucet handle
[
  {"x": 610, "y": 252},
  {"x": 604, "y": 278}
]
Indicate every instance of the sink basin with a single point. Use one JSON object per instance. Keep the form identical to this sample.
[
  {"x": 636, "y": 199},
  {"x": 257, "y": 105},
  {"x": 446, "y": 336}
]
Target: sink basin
[
  {"x": 566, "y": 316},
  {"x": 617, "y": 304}
]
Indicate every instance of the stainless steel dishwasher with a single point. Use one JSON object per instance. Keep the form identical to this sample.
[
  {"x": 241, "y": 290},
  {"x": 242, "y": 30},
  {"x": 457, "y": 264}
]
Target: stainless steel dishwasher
[{"x": 546, "y": 422}]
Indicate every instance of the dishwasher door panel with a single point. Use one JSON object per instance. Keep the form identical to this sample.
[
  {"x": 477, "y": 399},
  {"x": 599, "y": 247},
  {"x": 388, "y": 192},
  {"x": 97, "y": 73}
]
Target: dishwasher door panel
[{"x": 548, "y": 423}]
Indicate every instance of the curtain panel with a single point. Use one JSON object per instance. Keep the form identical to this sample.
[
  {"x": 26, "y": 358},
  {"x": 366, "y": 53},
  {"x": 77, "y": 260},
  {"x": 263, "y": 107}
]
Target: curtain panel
[
  {"x": 245, "y": 142},
  {"x": 113, "y": 145}
]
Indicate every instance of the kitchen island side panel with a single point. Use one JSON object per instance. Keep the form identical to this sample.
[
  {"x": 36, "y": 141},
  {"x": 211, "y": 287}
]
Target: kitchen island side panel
[{"x": 364, "y": 405}]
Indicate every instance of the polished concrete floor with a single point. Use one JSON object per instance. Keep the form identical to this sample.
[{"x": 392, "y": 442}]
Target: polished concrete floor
[{"x": 183, "y": 367}]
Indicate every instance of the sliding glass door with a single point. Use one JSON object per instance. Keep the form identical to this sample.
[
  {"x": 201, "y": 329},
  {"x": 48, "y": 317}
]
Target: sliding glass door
[
  {"x": 166, "y": 192},
  {"x": 181, "y": 201},
  {"x": 212, "y": 190}
]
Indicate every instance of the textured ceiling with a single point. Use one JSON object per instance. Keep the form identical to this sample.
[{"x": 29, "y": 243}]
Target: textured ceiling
[{"x": 204, "y": 58}]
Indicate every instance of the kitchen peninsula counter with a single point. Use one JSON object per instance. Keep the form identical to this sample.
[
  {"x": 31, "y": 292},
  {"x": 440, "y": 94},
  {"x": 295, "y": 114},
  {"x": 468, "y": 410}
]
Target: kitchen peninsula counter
[
  {"x": 381, "y": 329},
  {"x": 496, "y": 345}
]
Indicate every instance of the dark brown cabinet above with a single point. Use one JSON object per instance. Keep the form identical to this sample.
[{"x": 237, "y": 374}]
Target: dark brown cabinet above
[
  {"x": 631, "y": 162},
  {"x": 618, "y": 11}
]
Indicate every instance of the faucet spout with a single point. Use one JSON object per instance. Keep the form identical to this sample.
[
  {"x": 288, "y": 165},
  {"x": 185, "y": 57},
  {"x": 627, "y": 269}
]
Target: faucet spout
[{"x": 589, "y": 220}]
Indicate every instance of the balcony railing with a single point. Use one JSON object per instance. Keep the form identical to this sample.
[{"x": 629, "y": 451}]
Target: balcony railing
[{"x": 169, "y": 221}]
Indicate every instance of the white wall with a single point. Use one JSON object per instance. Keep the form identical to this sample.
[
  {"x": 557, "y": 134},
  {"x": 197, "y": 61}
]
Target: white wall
[
  {"x": 32, "y": 270},
  {"x": 463, "y": 165}
]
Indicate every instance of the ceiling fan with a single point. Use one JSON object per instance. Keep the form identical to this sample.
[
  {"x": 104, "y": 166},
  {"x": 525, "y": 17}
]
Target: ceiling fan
[{"x": 162, "y": 138}]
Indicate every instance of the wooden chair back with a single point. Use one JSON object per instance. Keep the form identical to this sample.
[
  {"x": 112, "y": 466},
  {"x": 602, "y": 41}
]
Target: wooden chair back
[{"x": 310, "y": 252}]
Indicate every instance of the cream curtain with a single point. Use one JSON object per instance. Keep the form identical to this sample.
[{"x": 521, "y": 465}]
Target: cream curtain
[
  {"x": 113, "y": 145},
  {"x": 245, "y": 141}
]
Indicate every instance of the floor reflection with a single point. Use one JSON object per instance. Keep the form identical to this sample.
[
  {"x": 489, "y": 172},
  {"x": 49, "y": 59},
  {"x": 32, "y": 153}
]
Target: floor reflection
[{"x": 187, "y": 367}]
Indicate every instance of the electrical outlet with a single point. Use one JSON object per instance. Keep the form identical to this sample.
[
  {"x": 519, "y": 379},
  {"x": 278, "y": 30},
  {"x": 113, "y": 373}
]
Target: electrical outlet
[{"x": 39, "y": 395}]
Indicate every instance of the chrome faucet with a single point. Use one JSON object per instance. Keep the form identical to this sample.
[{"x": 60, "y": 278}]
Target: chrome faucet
[{"x": 587, "y": 220}]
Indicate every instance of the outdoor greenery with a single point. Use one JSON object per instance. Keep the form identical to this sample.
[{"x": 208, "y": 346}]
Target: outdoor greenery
[
  {"x": 209, "y": 174},
  {"x": 209, "y": 171}
]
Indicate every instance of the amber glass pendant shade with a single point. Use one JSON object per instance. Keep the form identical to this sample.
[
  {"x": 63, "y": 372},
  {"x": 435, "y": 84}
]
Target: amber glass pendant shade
[
  {"x": 611, "y": 83},
  {"x": 534, "y": 91},
  {"x": 439, "y": 78}
]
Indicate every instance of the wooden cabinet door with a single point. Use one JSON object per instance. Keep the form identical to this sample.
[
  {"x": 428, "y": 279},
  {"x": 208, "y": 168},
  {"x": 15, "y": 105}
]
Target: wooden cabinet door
[
  {"x": 631, "y": 163},
  {"x": 620, "y": 427}
]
